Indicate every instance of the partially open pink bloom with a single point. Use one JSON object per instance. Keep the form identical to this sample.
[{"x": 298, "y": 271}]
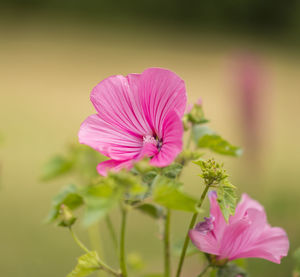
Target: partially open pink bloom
[
  {"x": 246, "y": 235},
  {"x": 138, "y": 115}
]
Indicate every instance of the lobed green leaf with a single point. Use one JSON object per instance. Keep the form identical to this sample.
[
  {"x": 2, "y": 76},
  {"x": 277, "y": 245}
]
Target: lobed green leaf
[
  {"x": 168, "y": 193},
  {"x": 206, "y": 138},
  {"x": 68, "y": 196},
  {"x": 172, "y": 171},
  {"x": 227, "y": 198},
  {"x": 151, "y": 210},
  {"x": 87, "y": 264},
  {"x": 56, "y": 167}
]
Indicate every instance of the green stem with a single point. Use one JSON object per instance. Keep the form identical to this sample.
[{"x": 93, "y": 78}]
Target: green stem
[
  {"x": 122, "y": 243},
  {"x": 102, "y": 265},
  {"x": 204, "y": 271},
  {"x": 188, "y": 144},
  {"x": 167, "y": 243},
  {"x": 187, "y": 238},
  {"x": 78, "y": 242},
  {"x": 112, "y": 231}
]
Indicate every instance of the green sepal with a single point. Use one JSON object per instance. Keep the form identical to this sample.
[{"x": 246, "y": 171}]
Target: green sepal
[{"x": 231, "y": 270}]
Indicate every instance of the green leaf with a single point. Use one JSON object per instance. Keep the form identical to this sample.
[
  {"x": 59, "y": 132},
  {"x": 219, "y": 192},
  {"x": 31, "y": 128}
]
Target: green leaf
[
  {"x": 87, "y": 264},
  {"x": 100, "y": 199},
  {"x": 172, "y": 171},
  {"x": 57, "y": 166},
  {"x": 132, "y": 185},
  {"x": 167, "y": 193},
  {"x": 227, "y": 198},
  {"x": 199, "y": 131},
  {"x": 231, "y": 270},
  {"x": 149, "y": 177},
  {"x": 151, "y": 210},
  {"x": 69, "y": 197},
  {"x": 191, "y": 249},
  {"x": 206, "y": 138}
]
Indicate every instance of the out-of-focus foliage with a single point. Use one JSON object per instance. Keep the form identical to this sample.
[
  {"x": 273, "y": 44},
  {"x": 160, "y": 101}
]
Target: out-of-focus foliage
[
  {"x": 177, "y": 248},
  {"x": 248, "y": 15},
  {"x": 79, "y": 160},
  {"x": 296, "y": 256}
]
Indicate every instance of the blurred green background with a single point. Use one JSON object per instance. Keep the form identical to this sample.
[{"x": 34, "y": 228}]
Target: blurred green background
[{"x": 52, "y": 53}]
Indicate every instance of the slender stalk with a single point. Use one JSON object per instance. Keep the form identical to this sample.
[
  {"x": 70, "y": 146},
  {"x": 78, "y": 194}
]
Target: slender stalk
[
  {"x": 187, "y": 238},
  {"x": 78, "y": 242},
  {"x": 188, "y": 144},
  {"x": 167, "y": 244},
  {"x": 112, "y": 232},
  {"x": 102, "y": 265},
  {"x": 204, "y": 271},
  {"x": 122, "y": 243}
]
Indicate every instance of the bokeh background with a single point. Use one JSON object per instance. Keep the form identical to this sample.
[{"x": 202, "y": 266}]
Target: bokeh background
[{"x": 240, "y": 57}]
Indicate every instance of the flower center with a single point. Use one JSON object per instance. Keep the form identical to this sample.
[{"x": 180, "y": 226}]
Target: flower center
[
  {"x": 205, "y": 226},
  {"x": 153, "y": 140}
]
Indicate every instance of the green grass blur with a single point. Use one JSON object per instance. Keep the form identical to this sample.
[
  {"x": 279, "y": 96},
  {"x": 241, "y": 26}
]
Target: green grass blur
[{"x": 48, "y": 67}]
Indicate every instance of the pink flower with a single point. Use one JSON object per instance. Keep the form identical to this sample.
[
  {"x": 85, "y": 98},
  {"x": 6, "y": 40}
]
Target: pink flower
[
  {"x": 247, "y": 235},
  {"x": 138, "y": 115}
]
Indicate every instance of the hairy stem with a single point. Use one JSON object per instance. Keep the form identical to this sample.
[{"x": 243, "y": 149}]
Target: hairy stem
[
  {"x": 187, "y": 238},
  {"x": 167, "y": 244},
  {"x": 122, "y": 243}
]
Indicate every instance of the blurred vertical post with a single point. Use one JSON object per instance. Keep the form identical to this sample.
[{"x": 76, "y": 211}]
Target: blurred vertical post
[{"x": 249, "y": 82}]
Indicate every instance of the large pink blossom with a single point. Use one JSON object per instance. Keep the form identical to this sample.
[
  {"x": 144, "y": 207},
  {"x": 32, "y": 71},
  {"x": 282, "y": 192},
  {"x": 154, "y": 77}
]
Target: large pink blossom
[
  {"x": 138, "y": 115},
  {"x": 246, "y": 235}
]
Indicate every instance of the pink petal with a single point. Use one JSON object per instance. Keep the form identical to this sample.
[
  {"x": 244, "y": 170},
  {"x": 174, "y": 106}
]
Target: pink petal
[
  {"x": 172, "y": 133},
  {"x": 161, "y": 91},
  {"x": 117, "y": 101},
  {"x": 114, "y": 165},
  {"x": 263, "y": 241},
  {"x": 233, "y": 239},
  {"x": 205, "y": 242},
  {"x": 245, "y": 204},
  {"x": 110, "y": 140},
  {"x": 215, "y": 211}
]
